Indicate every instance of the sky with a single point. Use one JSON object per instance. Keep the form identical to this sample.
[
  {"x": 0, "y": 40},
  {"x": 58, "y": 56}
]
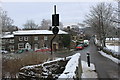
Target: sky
[{"x": 70, "y": 12}]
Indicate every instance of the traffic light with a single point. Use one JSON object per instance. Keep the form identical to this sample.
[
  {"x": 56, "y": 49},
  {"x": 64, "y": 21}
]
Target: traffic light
[{"x": 55, "y": 20}]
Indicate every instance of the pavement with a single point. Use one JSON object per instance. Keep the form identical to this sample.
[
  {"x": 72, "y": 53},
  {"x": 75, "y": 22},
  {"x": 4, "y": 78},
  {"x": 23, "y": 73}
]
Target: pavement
[{"x": 106, "y": 68}]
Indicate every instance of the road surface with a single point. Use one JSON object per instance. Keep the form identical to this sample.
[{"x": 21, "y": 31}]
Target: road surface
[{"x": 105, "y": 68}]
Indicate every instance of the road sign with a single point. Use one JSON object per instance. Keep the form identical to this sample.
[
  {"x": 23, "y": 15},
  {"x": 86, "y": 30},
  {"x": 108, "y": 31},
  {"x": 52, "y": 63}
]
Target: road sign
[
  {"x": 55, "y": 30},
  {"x": 55, "y": 20}
]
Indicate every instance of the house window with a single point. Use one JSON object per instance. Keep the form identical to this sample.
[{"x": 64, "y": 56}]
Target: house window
[
  {"x": 11, "y": 40},
  {"x": 11, "y": 48},
  {"x": 45, "y": 37},
  {"x": 20, "y": 38},
  {"x": 20, "y": 45},
  {"x": 36, "y": 38},
  {"x": 74, "y": 37},
  {"x": 25, "y": 38},
  {"x": 3, "y": 41},
  {"x": 3, "y": 47},
  {"x": 36, "y": 46}
]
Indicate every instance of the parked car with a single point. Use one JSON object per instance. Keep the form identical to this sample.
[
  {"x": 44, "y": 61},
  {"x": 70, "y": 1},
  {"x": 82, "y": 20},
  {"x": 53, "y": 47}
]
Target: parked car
[
  {"x": 24, "y": 50},
  {"x": 44, "y": 49},
  {"x": 3, "y": 51},
  {"x": 86, "y": 43},
  {"x": 80, "y": 47}
]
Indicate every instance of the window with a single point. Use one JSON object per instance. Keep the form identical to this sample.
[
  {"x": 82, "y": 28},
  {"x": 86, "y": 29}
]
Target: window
[
  {"x": 3, "y": 41},
  {"x": 25, "y": 38},
  {"x": 36, "y": 38},
  {"x": 11, "y": 48},
  {"x": 20, "y": 45},
  {"x": 20, "y": 38},
  {"x": 36, "y": 46},
  {"x": 11, "y": 40},
  {"x": 3, "y": 47},
  {"x": 45, "y": 37},
  {"x": 74, "y": 37}
]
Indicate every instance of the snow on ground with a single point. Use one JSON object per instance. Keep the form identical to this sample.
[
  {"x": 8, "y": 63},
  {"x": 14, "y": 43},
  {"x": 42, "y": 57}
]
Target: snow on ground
[
  {"x": 88, "y": 72},
  {"x": 33, "y": 66},
  {"x": 117, "y": 39},
  {"x": 110, "y": 57},
  {"x": 115, "y": 48}
]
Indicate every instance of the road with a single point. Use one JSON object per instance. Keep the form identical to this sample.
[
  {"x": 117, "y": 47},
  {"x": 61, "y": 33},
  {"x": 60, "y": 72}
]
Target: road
[{"x": 105, "y": 68}]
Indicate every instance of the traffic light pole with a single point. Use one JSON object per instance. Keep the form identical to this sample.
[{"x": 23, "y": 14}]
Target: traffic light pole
[
  {"x": 55, "y": 29},
  {"x": 51, "y": 43}
]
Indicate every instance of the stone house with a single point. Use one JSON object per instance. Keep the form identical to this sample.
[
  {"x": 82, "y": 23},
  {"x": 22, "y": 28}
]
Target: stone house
[
  {"x": 8, "y": 42},
  {"x": 34, "y": 39}
]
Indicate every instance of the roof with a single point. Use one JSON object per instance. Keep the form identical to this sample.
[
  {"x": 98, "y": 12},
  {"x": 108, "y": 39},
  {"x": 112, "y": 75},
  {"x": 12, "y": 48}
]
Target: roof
[
  {"x": 8, "y": 36},
  {"x": 32, "y": 32}
]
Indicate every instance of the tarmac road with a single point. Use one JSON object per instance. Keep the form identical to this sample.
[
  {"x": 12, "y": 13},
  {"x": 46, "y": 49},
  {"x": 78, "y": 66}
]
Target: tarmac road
[{"x": 106, "y": 69}]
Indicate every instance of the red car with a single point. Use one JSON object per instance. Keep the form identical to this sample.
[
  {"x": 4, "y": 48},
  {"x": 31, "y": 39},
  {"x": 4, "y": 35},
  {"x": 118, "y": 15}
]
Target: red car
[
  {"x": 80, "y": 47},
  {"x": 44, "y": 49}
]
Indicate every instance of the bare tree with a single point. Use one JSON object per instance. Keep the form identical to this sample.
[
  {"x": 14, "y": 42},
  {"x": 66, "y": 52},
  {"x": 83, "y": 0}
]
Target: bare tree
[
  {"x": 6, "y": 21},
  {"x": 45, "y": 24},
  {"x": 30, "y": 25},
  {"x": 100, "y": 19}
]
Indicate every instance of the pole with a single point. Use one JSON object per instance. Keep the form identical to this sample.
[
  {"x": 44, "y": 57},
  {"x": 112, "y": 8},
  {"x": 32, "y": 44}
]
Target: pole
[
  {"x": 55, "y": 34},
  {"x": 55, "y": 9},
  {"x": 88, "y": 59},
  {"x": 51, "y": 42}
]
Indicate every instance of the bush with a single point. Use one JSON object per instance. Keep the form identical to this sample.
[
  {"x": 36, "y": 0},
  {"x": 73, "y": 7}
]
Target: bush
[{"x": 11, "y": 66}]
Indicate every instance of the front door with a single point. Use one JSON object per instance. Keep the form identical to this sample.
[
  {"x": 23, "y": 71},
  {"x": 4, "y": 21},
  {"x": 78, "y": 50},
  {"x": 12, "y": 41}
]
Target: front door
[{"x": 27, "y": 46}]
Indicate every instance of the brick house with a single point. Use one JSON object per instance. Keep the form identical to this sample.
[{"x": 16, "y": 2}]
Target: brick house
[{"x": 34, "y": 39}]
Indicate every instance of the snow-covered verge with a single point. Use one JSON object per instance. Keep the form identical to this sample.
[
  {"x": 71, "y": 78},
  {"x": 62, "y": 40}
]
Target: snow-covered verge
[
  {"x": 110, "y": 57},
  {"x": 72, "y": 67},
  {"x": 113, "y": 48},
  {"x": 88, "y": 72},
  {"x": 111, "y": 52}
]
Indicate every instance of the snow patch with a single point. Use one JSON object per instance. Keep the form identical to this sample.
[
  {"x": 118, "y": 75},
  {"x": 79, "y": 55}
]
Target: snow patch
[
  {"x": 8, "y": 36},
  {"x": 114, "y": 48},
  {"x": 110, "y": 57},
  {"x": 71, "y": 66},
  {"x": 31, "y": 32},
  {"x": 88, "y": 72},
  {"x": 33, "y": 66}
]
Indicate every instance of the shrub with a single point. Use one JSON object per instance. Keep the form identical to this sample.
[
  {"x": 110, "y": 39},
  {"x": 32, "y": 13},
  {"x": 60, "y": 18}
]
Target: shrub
[{"x": 11, "y": 66}]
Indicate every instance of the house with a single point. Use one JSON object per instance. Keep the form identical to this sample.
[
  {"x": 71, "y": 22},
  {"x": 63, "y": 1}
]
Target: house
[
  {"x": 8, "y": 42},
  {"x": 33, "y": 39}
]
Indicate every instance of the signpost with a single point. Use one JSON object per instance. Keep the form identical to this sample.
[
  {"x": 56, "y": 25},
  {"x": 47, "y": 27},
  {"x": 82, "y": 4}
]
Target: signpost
[{"x": 55, "y": 23}]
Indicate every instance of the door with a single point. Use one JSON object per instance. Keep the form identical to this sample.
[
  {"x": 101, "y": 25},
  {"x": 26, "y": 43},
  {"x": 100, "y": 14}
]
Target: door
[{"x": 27, "y": 46}]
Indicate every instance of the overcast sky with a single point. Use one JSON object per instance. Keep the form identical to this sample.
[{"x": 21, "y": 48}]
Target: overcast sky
[{"x": 70, "y": 12}]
